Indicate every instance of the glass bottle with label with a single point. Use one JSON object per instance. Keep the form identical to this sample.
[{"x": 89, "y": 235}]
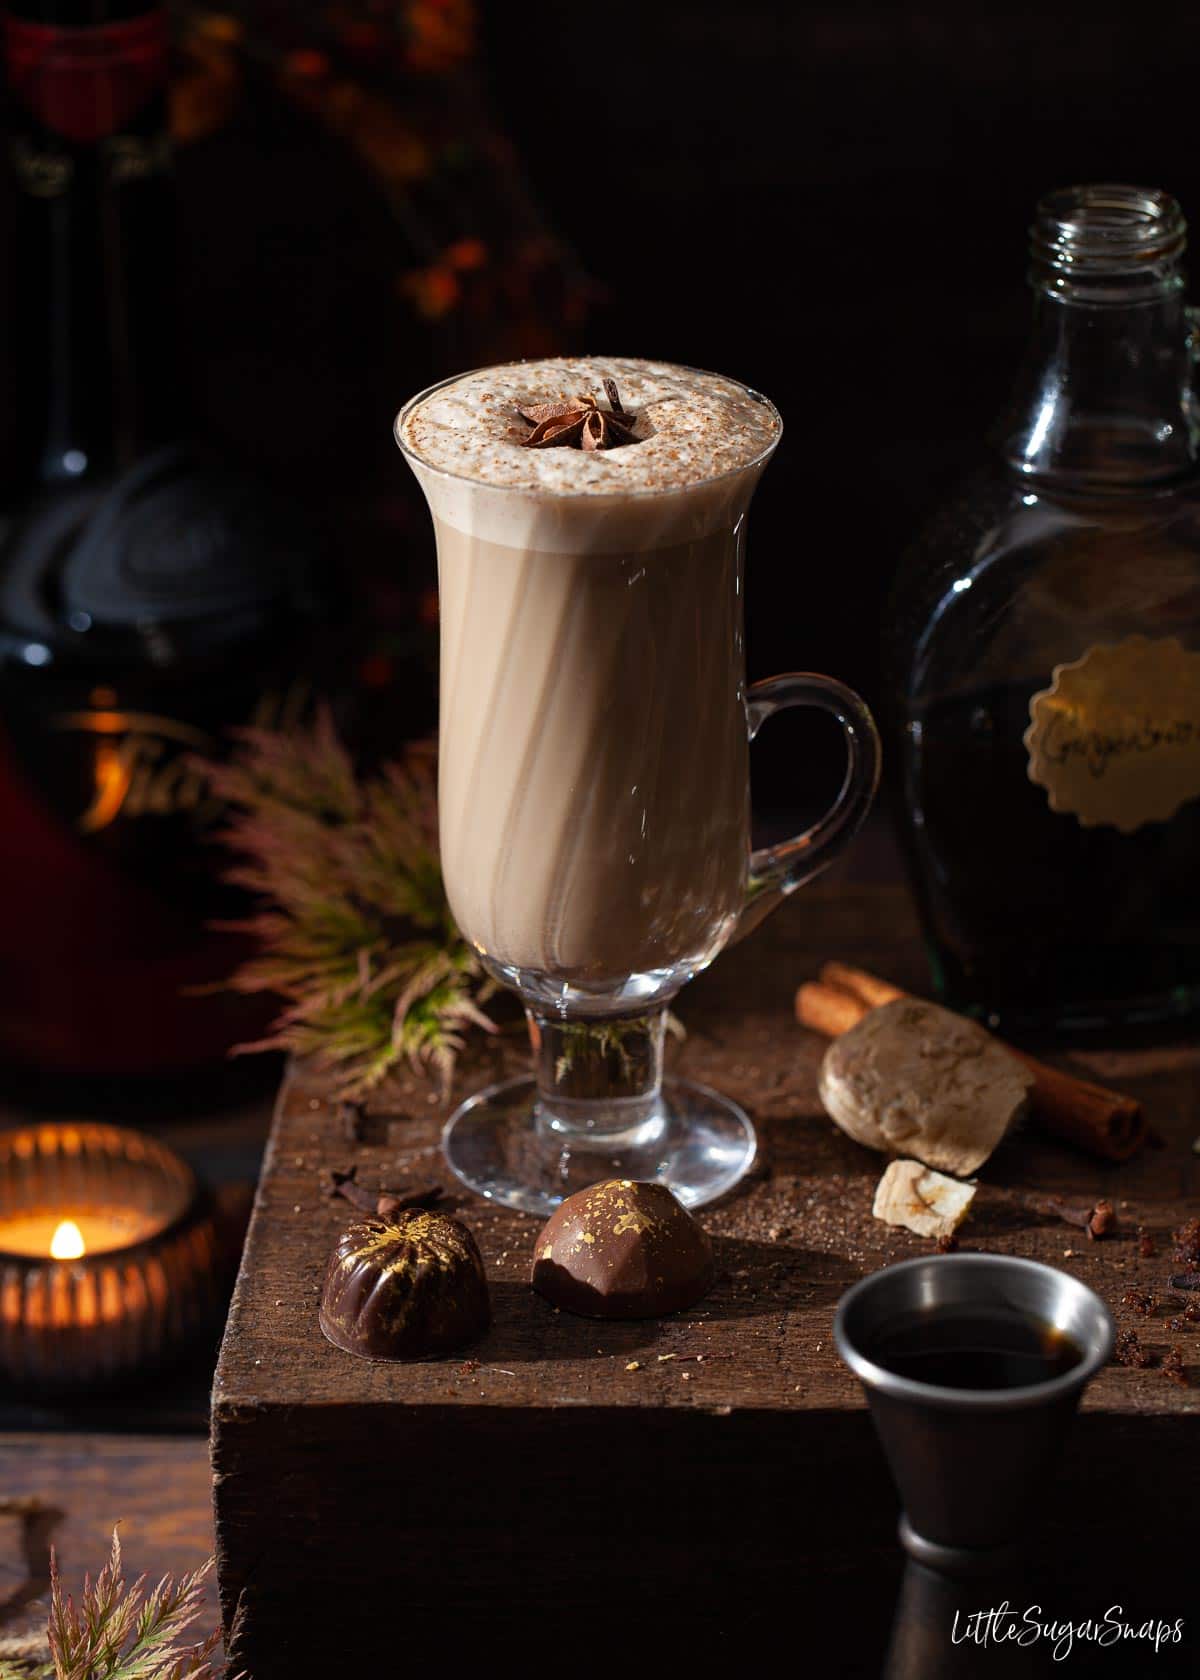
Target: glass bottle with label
[
  {"x": 151, "y": 597},
  {"x": 1044, "y": 652}
]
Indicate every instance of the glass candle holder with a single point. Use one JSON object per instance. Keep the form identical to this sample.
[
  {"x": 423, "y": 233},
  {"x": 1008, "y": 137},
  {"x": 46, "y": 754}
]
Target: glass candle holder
[{"x": 108, "y": 1255}]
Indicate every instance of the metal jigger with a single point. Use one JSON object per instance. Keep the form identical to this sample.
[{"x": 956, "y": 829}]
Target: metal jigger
[
  {"x": 929, "y": 1610},
  {"x": 970, "y": 1463}
]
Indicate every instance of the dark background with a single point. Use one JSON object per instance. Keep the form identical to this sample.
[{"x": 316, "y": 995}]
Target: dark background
[
  {"x": 827, "y": 201},
  {"x": 830, "y": 202}
]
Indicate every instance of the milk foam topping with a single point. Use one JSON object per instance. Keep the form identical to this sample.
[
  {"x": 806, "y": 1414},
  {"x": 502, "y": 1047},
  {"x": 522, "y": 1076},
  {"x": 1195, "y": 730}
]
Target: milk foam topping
[{"x": 691, "y": 426}]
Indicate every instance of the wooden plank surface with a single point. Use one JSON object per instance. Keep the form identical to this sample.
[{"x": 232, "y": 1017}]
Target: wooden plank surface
[
  {"x": 67, "y": 1491},
  {"x": 544, "y": 1477},
  {"x": 789, "y": 1243}
]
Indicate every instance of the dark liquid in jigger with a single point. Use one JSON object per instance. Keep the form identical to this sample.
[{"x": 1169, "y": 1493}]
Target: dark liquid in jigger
[{"x": 975, "y": 1350}]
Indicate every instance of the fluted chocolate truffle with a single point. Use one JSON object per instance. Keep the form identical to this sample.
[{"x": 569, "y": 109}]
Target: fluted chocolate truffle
[
  {"x": 622, "y": 1249},
  {"x": 411, "y": 1287}
]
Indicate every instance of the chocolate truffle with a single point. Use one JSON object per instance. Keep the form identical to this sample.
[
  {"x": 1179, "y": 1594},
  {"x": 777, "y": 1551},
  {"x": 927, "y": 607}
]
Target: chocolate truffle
[
  {"x": 411, "y": 1287},
  {"x": 622, "y": 1249}
]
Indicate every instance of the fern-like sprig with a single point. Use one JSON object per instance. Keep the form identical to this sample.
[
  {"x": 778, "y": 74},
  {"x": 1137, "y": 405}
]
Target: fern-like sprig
[
  {"x": 353, "y": 930},
  {"x": 117, "y": 1632}
]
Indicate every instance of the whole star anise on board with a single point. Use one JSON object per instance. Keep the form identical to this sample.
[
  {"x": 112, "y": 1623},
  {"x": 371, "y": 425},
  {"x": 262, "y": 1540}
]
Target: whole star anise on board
[{"x": 580, "y": 425}]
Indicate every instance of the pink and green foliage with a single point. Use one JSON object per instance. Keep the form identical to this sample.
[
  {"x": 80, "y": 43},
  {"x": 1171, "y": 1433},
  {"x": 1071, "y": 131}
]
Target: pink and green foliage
[
  {"x": 353, "y": 929},
  {"x": 117, "y": 1632}
]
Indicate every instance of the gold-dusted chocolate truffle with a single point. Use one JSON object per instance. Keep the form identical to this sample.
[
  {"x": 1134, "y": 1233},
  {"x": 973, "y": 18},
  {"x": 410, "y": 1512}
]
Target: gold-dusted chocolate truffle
[
  {"x": 410, "y": 1287},
  {"x": 622, "y": 1249}
]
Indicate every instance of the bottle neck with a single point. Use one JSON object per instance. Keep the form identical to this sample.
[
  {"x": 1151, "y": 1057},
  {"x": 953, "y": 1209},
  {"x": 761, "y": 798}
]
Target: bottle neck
[
  {"x": 1105, "y": 395},
  {"x": 89, "y": 155}
]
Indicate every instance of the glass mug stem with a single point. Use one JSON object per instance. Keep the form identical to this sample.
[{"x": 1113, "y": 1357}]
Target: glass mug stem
[{"x": 598, "y": 1082}]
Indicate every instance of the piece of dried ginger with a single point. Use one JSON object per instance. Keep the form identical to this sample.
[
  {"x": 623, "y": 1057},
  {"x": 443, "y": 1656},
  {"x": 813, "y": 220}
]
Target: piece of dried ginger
[{"x": 915, "y": 1080}]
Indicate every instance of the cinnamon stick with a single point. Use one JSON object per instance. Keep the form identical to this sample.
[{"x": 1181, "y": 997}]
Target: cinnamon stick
[
  {"x": 827, "y": 1010},
  {"x": 1102, "y": 1122},
  {"x": 869, "y": 987}
]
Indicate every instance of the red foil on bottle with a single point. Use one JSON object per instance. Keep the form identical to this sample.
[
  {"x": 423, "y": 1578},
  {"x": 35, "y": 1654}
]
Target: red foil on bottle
[{"x": 84, "y": 84}]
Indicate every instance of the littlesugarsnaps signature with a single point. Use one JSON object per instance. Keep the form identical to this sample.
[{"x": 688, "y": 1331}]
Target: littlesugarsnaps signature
[{"x": 1033, "y": 1626}]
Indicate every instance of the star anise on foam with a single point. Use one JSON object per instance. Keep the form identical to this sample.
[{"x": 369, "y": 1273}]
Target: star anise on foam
[{"x": 580, "y": 425}]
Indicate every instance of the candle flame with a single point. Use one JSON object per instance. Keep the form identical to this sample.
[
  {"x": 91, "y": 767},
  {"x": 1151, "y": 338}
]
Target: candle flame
[{"x": 67, "y": 1241}]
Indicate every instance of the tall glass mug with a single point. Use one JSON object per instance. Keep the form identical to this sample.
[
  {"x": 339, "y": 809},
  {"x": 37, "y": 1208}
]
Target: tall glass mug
[{"x": 593, "y": 750}]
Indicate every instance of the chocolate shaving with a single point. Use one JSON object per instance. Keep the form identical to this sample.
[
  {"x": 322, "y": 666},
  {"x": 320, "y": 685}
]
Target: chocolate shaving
[
  {"x": 393, "y": 1202},
  {"x": 352, "y": 1121},
  {"x": 381, "y": 1204},
  {"x": 1185, "y": 1280},
  {"x": 340, "y": 1182},
  {"x": 579, "y": 425},
  {"x": 614, "y": 402}
]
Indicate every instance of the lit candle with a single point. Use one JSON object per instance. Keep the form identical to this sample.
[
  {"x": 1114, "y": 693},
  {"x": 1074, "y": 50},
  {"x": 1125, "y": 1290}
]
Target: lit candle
[
  {"x": 67, "y": 1242},
  {"x": 108, "y": 1254},
  {"x": 68, "y": 1235}
]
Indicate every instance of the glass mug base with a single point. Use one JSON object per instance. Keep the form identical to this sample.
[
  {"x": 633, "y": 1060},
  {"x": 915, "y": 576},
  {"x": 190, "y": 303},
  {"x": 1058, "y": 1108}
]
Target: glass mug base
[{"x": 503, "y": 1144}]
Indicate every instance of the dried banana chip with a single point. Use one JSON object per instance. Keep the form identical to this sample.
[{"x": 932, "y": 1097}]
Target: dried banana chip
[{"x": 927, "y": 1202}]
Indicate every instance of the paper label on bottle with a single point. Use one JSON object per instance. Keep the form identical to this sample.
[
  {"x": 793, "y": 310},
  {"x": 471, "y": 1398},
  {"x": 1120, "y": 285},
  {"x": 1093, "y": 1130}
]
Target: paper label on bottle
[{"x": 1115, "y": 739}]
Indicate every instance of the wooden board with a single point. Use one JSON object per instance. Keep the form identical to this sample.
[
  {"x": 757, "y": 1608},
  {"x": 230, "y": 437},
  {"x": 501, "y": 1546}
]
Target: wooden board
[
  {"x": 67, "y": 1491},
  {"x": 518, "y": 1480}
]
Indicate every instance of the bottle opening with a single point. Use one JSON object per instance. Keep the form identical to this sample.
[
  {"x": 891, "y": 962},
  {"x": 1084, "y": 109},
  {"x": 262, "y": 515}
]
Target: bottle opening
[{"x": 1107, "y": 230}]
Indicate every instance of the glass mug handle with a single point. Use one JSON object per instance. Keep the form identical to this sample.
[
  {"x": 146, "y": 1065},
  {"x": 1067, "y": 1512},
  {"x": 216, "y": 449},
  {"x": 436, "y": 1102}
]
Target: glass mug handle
[{"x": 776, "y": 871}]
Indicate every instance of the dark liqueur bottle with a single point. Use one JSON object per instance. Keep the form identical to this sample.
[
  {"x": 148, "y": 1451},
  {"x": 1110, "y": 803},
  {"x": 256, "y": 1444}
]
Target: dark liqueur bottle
[
  {"x": 151, "y": 598},
  {"x": 1044, "y": 652}
]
